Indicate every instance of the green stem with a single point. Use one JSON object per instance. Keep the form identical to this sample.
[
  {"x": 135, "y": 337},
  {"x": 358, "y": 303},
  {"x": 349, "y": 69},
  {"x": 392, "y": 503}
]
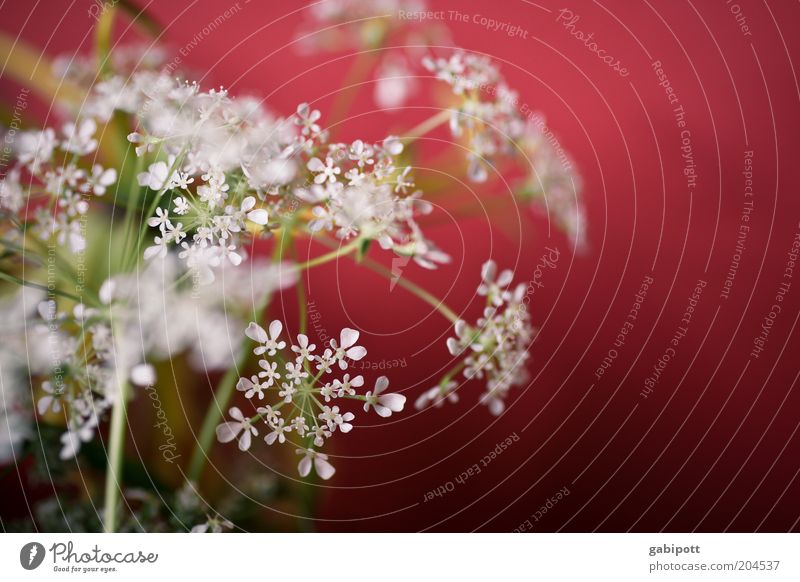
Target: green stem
[
  {"x": 116, "y": 452},
  {"x": 415, "y": 289},
  {"x": 427, "y": 126},
  {"x": 18, "y": 281},
  {"x": 105, "y": 25},
  {"x": 331, "y": 256},
  {"x": 213, "y": 415}
]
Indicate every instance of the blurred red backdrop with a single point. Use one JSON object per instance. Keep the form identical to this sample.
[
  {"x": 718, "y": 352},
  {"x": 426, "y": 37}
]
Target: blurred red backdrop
[{"x": 714, "y": 446}]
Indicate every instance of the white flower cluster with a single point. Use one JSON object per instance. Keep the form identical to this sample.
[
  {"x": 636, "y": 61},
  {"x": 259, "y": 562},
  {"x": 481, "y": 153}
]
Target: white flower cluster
[
  {"x": 495, "y": 349},
  {"x": 297, "y": 398},
  {"x": 92, "y": 356},
  {"x": 359, "y": 191},
  {"x": 489, "y": 116},
  {"x": 220, "y": 167},
  {"x": 47, "y": 176}
]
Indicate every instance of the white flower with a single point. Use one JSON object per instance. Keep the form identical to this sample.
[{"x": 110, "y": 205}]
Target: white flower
[
  {"x": 35, "y": 148},
  {"x": 79, "y": 139},
  {"x": 303, "y": 349},
  {"x": 181, "y": 206},
  {"x": 278, "y": 433},
  {"x": 295, "y": 372},
  {"x": 495, "y": 290},
  {"x": 100, "y": 180},
  {"x": 143, "y": 375},
  {"x": 156, "y": 176},
  {"x": 437, "y": 395},
  {"x": 159, "y": 249},
  {"x": 251, "y": 387},
  {"x": 258, "y": 216},
  {"x": 325, "y": 172},
  {"x": 346, "y": 386},
  {"x": 496, "y": 347},
  {"x": 287, "y": 391},
  {"x": 320, "y": 461},
  {"x": 384, "y": 404},
  {"x": 269, "y": 372},
  {"x": 306, "y": 118},
  {"x": 228, "y": 431},
  {"x": 51, "y": 399},
  {"x": 347, "y": 348},
  {"x": 213, "y": 525},
  {"x": 270, "y": 343},
  {"x": 160, "y": 219}
]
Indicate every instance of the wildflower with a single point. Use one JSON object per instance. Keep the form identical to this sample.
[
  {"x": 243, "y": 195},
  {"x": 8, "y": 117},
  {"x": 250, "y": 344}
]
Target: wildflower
[
  {"x": 239, "y": 427},
  {"x": 251, "y": 387},
  {"x": 346, "y": 347},
  {"x": 496, "y": 347},
  {"x": 270, "y": 343},
  {"x": 324, "y": 171},
  {"x": 383, "y": 404},
  {"x": 79, "y": 138},
  {"x": 100, "y": 180},
  {"x": 307, "y": 118},
  {"x": 320, "y": 462}
]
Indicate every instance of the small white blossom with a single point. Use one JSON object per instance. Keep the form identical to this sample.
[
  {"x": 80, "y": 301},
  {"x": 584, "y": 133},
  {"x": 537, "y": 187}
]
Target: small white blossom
[
  {"x": 320, "y": 463},
  {"x": 383, "y": 404},
  {"x": 239, "y": 427}
]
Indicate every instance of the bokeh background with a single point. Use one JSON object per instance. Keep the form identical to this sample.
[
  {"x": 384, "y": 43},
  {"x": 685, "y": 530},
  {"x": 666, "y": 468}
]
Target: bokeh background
[{"x": 714, "y": 446}]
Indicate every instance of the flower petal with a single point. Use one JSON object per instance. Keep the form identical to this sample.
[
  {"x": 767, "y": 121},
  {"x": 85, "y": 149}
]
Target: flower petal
[
  {"x": 304, "y": 467},
  {"x": 395, "y": 402},
  {"x": 259, "y": 216},
  {"x": 356, "y": 353},
  {"x": 324, "y": 469},
  {"x": 227, "y": 431},
  {"x": 275, "y": 329},
  {"x": 256, "y": 333},
  {"x": 349, "y": 337}
]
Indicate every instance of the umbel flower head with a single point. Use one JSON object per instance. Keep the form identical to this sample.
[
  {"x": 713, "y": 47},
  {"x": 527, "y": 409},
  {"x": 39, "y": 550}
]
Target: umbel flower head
[
  {"x": 301, "y": 394},
  {"x": 494, "y": 349}
]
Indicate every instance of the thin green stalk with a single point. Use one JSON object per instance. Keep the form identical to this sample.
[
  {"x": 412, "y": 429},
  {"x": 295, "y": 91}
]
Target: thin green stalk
[
  {"x": 331, "y": 256},
  {"x": 215, "y": 410},
  {"x": 427, "y": 126},
  {"x": 415, "y": 289},
  {"x": 116, "y": 447},
  {"x": 18, "y": 281}
]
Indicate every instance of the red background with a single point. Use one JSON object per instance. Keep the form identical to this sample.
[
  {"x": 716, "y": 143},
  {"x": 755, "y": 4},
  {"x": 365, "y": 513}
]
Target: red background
[{"x": 715, "y": 446}]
